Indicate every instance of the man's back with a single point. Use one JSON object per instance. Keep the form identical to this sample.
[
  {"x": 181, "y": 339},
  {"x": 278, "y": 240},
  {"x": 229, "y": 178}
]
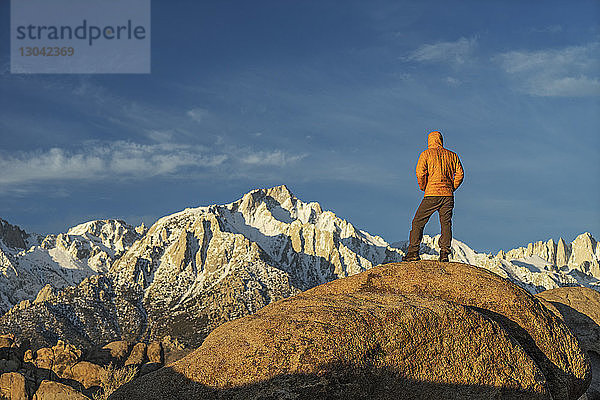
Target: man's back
[
  {"x": 439, "y": 171},
  {"x": 439, "y": 174}
]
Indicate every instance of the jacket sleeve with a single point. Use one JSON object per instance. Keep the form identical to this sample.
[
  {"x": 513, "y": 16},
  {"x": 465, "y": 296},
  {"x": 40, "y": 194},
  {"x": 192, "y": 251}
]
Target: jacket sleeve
[
  {"x": 422, "y": 171},
  {"x": 459, "y": 174}
]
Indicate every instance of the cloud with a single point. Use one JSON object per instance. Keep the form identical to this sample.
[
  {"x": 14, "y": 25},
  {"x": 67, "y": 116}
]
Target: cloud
[
  {"x": 445, "y": 52},
  {"x": 160, "y": 136},
  {"x": 22, "y": 172},
  {"x": 115, "y": 160},
  {"x": 271, "y": 158},
  {"x": 197, "y": 114},
  {"x": 451, "y": 81},
  {"x": 571, "y": 71}
]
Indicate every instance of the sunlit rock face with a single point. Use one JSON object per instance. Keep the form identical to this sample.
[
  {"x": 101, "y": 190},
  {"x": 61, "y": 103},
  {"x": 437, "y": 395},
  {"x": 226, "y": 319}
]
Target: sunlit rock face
[
  {"x": 415, "y": 330},
  {"x": 201, "y": 267}
]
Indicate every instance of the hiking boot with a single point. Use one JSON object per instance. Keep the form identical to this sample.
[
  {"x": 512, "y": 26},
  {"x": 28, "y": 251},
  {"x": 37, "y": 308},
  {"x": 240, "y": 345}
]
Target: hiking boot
[
  {"x": 444, "y": 256},
  {"x": 411, "y": 257}
]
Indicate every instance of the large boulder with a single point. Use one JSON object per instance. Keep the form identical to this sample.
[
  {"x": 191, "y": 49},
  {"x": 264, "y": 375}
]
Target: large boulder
[
  {"x": 12, "y": 386},
  {"x": 84, "y": 372},
  {"x": 580, "y": 309},
  {"x": 49, "y": 390},
  {"x": 119, "y": 350},
  {"x": 354, "y": 345},
  {"x": 540, "y": 332},
  {"x": 114, "y": 353},
  {"x": 409, "y": 330}
]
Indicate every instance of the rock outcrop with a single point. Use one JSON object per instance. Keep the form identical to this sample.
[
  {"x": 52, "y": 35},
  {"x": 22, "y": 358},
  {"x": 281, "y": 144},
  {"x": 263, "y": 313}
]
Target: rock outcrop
[
  {"x": 409, "y": 330},
  {"x": 580, "y": 309},
  {"x": 138, "y": 355},
  {"x": 14, "y": 237},
  {"x": 536, "y": 267}
]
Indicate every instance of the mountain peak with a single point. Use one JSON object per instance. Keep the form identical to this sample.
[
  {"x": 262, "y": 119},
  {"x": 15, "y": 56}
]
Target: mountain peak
[
  {"x": 97, "y": 227},
  {"x": 12, "y": 235},
  {"x": 281, "y": 194}
]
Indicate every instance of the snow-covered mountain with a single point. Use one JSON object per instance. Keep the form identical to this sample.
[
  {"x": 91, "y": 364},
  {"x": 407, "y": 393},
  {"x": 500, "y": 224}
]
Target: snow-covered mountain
[
  {"x": 539, "y": 266},
  {"x": 210, "y": 264},
  {"x": 28, "y": 262},
  {"x": 195, "y": 269}
]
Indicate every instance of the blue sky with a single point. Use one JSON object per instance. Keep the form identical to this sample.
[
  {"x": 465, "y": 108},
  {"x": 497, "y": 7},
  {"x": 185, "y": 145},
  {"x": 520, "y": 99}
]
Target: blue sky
[{"x": 333, "y": 99}]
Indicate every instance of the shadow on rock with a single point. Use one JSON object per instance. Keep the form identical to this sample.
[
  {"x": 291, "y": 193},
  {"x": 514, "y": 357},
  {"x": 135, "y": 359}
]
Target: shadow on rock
[{"x": 342, "y": 382}]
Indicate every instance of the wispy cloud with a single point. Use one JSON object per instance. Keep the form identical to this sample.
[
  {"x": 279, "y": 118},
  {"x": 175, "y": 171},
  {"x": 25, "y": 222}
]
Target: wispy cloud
[
  {"x": 100, "y": 161},
  {"x": 451, "y": 81},
  {"x": 197, "y": 114},
  {"x": 456, "y": 52},
  {"x": 160, "y": 136},
  {"x": 271, "y": 158},
  {"x": 570, "y": 71},
  {"x": 123, "y": 160}
]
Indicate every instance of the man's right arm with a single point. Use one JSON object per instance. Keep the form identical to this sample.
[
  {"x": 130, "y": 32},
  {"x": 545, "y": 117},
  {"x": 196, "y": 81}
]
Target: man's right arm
[{"x": 422, "y": 171}]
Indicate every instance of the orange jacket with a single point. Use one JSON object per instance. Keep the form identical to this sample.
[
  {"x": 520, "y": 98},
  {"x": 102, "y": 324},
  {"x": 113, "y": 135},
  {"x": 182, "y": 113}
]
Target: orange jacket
[{"x": 439, "y": 171}]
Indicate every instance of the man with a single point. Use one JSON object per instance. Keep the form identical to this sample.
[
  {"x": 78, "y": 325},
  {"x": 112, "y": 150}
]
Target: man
[{"x": 439, "y": 174}]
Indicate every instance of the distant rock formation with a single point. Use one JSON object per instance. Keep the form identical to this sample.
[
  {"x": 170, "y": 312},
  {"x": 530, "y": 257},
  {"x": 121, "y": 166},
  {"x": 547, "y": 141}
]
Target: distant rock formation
[
  {"x": 14, "y": 237},
  {"x": 416, "y": 330}
]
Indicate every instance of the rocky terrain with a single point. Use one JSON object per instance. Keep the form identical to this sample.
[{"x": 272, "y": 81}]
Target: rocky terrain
[
  {"x": 64, "y": 371},
  {"x": 195, "y": 269},
  {"x": 405, "y": 330}
]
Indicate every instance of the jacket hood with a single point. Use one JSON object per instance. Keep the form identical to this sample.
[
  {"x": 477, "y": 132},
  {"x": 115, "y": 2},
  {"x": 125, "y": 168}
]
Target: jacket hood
[{"x": 435, "y": 140}]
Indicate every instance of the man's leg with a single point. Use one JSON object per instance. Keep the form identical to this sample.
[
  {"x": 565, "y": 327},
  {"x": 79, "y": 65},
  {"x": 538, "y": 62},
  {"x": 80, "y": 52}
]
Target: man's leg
[
  {"x": 445, "y": 211},
  {"x": 427, "y": 207}
]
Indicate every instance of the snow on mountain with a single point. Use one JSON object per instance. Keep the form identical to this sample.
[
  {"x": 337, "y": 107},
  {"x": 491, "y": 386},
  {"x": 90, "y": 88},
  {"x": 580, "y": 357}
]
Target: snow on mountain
[
  {"x": 29, "y": 261},
  {"x": 537, "y": 267},
  {"x": 197, "y": 268},
  {"x": 210, "y": 264}
]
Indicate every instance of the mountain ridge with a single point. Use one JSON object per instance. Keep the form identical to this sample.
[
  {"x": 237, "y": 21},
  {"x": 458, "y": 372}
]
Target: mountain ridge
[{"x": 197, "y": 268}]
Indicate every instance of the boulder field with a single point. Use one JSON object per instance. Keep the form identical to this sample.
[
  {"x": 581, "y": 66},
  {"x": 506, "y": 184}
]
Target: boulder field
[{"x": 417, "y": 330}]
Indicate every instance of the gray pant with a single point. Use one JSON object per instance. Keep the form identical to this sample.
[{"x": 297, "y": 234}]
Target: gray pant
[{"x": 430, "y": 204}]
